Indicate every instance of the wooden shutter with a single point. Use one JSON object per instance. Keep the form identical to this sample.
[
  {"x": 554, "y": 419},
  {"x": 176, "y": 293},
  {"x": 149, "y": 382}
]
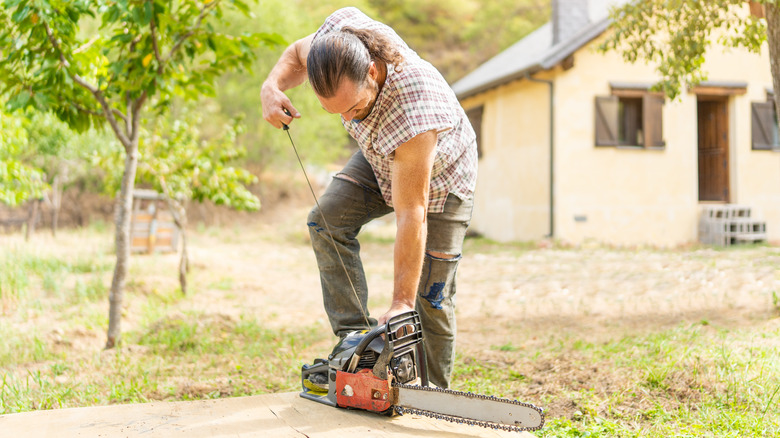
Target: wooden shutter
[
  {"x": 763, "y": 125},
  {"x": 475, "y": 117},
  {"x": 756, "y": 9},
  {"x": 606, "y": 120},
  {"x": 652, "y": 107}
]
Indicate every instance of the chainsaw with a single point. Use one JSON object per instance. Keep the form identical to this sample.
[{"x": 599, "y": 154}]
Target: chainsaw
[{"x": 383, "y": 370}]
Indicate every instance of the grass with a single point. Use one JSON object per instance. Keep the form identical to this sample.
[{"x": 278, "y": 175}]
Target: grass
[
  {"x": 690, "y": 381},
  {"x": 21, "y": 348},
  {"x": 182, "y": 357},
  {"x": 167, "y": 354},
  {"x": 22, "y": 269},
  {"x": 702, "y": 379}
]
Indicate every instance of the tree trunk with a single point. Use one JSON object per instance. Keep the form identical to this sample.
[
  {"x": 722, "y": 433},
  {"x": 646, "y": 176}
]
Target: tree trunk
[
  {"x": 179, "y": 212},
  {"x": 773, "y": 40},
  {"x": 184, "y": 262},
  {"x": 31, "y": 219},
  {"x": 122, "y": 238},
  {"x": 56, "y": 201}
]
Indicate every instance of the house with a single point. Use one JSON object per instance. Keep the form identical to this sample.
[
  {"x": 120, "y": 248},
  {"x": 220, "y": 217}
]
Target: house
[{"x": 575, "y": 146}]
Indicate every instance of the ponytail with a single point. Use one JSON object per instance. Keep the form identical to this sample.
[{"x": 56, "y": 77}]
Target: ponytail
[{"x": 347, "y": 54}]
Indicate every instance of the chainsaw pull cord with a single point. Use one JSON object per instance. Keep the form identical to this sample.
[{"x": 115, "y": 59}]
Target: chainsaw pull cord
[{"x": 327, "y": 227}]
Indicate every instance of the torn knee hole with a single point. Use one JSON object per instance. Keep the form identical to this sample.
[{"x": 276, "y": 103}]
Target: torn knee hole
[
  {"x": 345, "y": 177},
  {"x": 441, "y": 255}
]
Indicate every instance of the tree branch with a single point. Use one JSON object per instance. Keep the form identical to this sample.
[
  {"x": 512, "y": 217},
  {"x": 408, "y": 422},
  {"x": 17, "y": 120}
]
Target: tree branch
[
  {"x": 107, "y": 111},
  {"x": 78, "y": 79},
  {"x": 130, "y": 115},
  {"x": 134, "y": 114},
  {"x": 119, "y": 113},
  {"x": 86, "y": 110},
  {"x": 193, "y": 29},
  {"x": 153, "y": 29},
  {"x": 91, "y": 112},
  {"x": 86, "y": 45}
]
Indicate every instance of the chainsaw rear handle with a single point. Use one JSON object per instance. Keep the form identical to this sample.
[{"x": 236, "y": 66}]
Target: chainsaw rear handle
[{"x": 370, "y": 336}]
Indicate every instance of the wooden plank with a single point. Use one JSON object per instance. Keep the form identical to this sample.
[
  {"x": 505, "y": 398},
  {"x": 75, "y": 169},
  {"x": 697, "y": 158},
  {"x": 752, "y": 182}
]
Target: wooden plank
[
  {"x": 270, "y": 415},
  {"x": 140, "y": 242},
  {"x": 165, "y": 243}
]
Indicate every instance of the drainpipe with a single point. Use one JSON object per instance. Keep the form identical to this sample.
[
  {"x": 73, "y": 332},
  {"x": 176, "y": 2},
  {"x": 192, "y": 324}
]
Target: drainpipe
[{"x": 552, "y": 131}]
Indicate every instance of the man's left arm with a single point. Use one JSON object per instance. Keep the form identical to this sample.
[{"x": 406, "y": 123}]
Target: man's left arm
[{"x": 412, "y": 167}]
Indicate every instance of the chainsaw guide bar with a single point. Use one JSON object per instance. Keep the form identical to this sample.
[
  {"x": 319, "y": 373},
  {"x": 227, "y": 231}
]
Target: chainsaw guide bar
[{"x": 455, "y": 406}]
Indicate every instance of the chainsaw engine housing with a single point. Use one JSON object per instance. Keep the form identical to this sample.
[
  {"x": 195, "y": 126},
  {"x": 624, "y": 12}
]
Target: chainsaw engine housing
[{"x": 364, "y": 364}]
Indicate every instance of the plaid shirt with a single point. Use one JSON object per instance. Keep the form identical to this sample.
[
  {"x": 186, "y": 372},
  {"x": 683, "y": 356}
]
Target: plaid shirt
[{"x": 411, "y": 102}]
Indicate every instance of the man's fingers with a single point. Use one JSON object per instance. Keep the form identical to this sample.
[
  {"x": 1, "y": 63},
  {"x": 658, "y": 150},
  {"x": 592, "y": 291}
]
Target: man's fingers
[
  {"x": 278, "y": 110},
  {"x": 289, "y": 113}
]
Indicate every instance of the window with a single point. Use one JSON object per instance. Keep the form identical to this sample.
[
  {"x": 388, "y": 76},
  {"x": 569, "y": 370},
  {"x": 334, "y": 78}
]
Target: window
[
  {"x": 629, "y": 117},
  {"x": 764, "y": 125},
  {"x": 475, "y": 117},
  {"x": 630, "y": 113},
  {"x": 756, "y": 9}
]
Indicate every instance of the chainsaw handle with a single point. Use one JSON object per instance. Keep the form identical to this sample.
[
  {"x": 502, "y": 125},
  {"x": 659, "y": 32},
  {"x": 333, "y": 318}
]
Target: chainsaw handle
[
  {"x": 370, "y": 336},
  {"x": 393, "y": 324}
]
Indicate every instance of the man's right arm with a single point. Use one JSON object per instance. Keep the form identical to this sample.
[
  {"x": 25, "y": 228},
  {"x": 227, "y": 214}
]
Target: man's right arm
[{"x": 289, "y": 72}]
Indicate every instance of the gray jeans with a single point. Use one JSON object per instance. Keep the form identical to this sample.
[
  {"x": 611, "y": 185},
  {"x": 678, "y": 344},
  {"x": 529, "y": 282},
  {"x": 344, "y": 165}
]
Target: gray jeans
[{"x": 347, "y": 206}]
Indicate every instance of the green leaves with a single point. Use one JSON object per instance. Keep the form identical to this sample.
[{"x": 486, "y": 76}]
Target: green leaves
[
  {"x": 674, "y": 35},
  {"x": 18, "y": 181},
  {"x": 52, "y": 59},
  {"x": 179, "y": 160}
]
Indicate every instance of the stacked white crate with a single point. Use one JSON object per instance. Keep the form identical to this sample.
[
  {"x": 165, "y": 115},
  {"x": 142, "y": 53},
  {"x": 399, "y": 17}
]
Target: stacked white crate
[{"x": 730, "y": 224}]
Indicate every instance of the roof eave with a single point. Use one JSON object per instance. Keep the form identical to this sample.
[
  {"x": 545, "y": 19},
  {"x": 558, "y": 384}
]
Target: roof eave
[
  {"x": 531, "y": 69},
  {"x": 556, "y": 54}
]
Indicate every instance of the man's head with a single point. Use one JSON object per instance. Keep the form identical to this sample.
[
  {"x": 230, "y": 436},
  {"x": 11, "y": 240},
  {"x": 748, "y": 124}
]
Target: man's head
[{"x": 347, "y": 68}]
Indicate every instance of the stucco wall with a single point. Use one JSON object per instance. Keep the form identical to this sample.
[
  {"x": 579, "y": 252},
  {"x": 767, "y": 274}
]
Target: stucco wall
[
  {"x": 613, "y": 195},
  {"x": 755, "y": 176},
  {"x": 512, "y": 196}
]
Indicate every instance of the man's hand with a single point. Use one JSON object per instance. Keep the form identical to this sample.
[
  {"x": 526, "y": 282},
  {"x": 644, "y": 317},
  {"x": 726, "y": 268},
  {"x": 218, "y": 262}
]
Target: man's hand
[
  {"x": 274, "y": 104},
  {"x": 395, "y": 309},
  {"x": 289, "y": 72}
]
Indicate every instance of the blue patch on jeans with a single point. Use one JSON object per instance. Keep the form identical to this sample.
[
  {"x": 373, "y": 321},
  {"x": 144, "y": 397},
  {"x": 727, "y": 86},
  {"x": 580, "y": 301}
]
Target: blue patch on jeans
[
  {"x": 435, "y": 295},
  {"x": 316, "y": 227}
]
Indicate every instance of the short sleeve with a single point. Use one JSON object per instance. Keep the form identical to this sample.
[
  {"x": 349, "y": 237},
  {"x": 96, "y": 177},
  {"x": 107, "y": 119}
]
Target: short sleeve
[{"x": 419, "y": 104}]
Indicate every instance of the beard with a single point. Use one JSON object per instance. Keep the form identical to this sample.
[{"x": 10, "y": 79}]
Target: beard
[{"x": 375, "y": 93}]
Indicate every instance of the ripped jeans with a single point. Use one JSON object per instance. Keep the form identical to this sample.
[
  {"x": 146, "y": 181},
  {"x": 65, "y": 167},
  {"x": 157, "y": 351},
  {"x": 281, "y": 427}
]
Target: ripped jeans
[{"x": 347, "y": 206}]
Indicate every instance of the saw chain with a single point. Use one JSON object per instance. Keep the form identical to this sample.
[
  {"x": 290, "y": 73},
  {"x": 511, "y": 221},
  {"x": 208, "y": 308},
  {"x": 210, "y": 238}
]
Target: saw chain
[{"x": 461, "y": 420}]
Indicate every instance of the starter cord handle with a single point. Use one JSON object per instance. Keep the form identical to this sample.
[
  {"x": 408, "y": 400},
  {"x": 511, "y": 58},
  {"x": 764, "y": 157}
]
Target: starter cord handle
[{"x": 284, "y": 125}]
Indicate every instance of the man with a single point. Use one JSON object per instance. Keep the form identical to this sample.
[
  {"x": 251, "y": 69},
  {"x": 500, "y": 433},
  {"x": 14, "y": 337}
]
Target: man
[{"x": 417, "y": 158}]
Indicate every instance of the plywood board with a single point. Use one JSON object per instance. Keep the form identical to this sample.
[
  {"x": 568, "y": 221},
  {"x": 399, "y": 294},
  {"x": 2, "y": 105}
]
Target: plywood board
[{"x": 270, "y": 415}]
